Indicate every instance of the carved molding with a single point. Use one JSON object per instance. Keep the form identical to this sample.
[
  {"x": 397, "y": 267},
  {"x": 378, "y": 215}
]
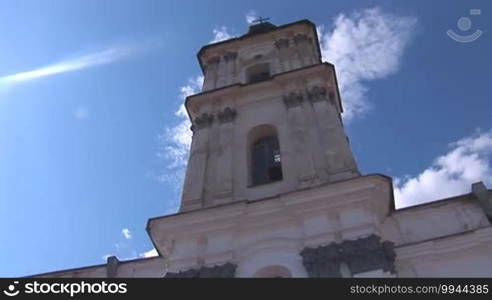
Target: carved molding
[
  {"x": 293, "y": 99},
  {"x": 227, "y": 115},
  {"x": 227, "y": 270},
  {"x": 203, "y": 121},
  {"x": 362, "y": 255}
]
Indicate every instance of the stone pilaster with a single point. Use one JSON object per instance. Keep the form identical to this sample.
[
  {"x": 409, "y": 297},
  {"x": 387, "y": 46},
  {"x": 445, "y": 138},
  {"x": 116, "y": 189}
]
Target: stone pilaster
[
  {"x": 298, "y": 138},
  {"x": 331, "y": 134},
  {"x": 230, "y": 59},
  {"x": 223, "y": 178},
  {"x": 197, "y": 163},
  {"x": 212, "y": 75},
  {"x": 282, "y": 46}
]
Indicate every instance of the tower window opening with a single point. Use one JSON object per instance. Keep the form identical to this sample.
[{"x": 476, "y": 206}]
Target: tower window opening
[
  {"x": 258, "y": 73},
  {"x": 266, "y": 161}
]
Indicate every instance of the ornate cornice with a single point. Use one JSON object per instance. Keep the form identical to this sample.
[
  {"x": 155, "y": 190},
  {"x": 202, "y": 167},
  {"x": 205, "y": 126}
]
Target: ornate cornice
[
  {"x": 322, "y": 261},
  {"x": 293, "y": 99},
  {"x": 227, "y": 115},
  {"x": 368, "y": 254},
  {"x": 362, "y": 255},
  {"x": 282, "y": 43},
  {"x": 316, "y": 94},
  {"x": 203, "y": 121},
  {"x": 301, "y": 38},
  {"x": 223, "y": 271}
]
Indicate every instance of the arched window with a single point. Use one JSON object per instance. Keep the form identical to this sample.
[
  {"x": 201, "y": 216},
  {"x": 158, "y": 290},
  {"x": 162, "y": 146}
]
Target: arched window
[
  {"x": 265, "y": 159},
  {"x": 258, "y": 73}
]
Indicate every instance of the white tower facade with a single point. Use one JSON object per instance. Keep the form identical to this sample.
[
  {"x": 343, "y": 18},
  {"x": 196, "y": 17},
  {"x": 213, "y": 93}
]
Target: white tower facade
[{"x": 268, "y": 120}]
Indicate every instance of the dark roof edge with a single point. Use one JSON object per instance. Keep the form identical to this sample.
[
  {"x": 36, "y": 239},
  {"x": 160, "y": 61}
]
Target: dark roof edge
[
  {"x": 89, "y": 267},
  {"x": 440, "y": 201}
]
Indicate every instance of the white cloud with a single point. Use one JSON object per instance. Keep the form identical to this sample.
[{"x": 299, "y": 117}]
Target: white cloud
[
  {"x": 221, "y": 34},
  {"x": 251, "y": 16},
  {"x": 176, "y": 141},
  {"x": 102, "y": 57},
  {"x": 451, "y": 174},
  {"x": 126, "y": 233},
  {"x": 179, "y": 136},
  {"x": 150, "y": 253},
  {"x": 364, "y": 46},
  {"x": 81, "y": 113}
]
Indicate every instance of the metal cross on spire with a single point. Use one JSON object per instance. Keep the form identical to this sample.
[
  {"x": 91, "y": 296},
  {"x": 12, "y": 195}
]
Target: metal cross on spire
[{"x": 260, "y": 20}]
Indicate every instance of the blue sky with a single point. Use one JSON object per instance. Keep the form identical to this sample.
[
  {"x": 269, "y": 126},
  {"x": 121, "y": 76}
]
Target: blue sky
[{"x": 93, "y": 141}]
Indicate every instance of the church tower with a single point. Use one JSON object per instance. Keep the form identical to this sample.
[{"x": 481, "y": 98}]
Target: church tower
[
  {"x": 272, "y": 188},
  {"x": 268, "y": 120}
]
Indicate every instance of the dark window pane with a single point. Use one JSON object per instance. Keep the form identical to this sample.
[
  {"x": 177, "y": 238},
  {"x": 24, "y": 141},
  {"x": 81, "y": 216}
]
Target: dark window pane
[
  {"x": 266, "y": 161},
  {"x": 258, "y": 73},
  {"x": 259, "y": 77}
]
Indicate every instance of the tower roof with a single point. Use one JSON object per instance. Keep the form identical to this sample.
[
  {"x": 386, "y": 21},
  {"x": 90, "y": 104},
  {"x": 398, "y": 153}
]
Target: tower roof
[
  {"x": 258, "y": 29},
  {"x": 261, "y": 28}
]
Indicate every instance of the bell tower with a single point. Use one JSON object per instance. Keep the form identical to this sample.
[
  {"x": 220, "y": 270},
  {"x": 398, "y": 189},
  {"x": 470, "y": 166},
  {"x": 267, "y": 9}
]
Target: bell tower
[
  {"x": 268, "y": 120},
  {"x": 271, "y": 187}
]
